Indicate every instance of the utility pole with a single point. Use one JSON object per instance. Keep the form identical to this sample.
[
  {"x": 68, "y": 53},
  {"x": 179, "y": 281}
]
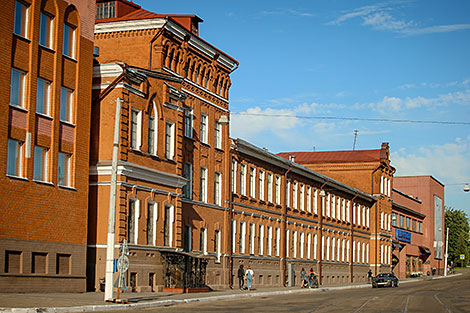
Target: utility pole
[
  {"x": 108, "y": 290},
  {"x": 447, "y": 251},
  {"x": 356, "y": 132}
]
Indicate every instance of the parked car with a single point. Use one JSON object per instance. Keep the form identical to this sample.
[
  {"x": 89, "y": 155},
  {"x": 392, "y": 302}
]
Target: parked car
[{"x": 385, "y": 279}]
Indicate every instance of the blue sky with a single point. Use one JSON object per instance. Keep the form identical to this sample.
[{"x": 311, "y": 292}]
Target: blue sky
[{"x": 349, "y": 59}]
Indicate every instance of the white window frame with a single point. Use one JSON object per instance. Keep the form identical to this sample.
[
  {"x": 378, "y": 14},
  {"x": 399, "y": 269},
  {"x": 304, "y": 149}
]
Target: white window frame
[
  {"x": 234, "y": 176},
  {"x": 204, "y": 129},
  {"x": 288, "y": 193},
  {"x": 243, "y": 236},
  {"x": 136, "y": 129},
  {"x": 302, "y": 198},
  {"x": 270, "y": 188},
  {"x": 15, "y": 158},
  {"x": 203, "y": 236},
  {"x": 348, "y": 208},
  {"x": 203, "y": 185},
  {"x": 252, "y": 182},
  {"x": 327, "y": 248},
  {"x": 218, "y": 135},
  {"x": 269, "y": 244},
  {"x": 309, "y": 199},
  {"x": 218, "y": 188},
  {"x": 315, "y": 246},
  {"x": 217, "y": 244},
  {"x": 278, "y": 241},
  {"x": 287, "y": 243},
  {"x": 170, "y": 136},
  {"x": 67, "y": 160},
  {"x": 333, "y": 206},
  {"x": 243, "y": 179},
  {"x": 41, "y": 161},
  {"x": 45, "y": 87},
  {"x": 261, "y": 240},
  {"x": 294, "y": 195},
  {"x": 70, "y": 32},
  {"x": 343, "y": 210},
  {"x": 188, "y": 174},
  {"x": 302, "y": 244},
  {"x": 136, "y": 203},
  {"x": 328, "y": 205},
  {"x": 188, "y": 122},
  {"x": 234, "y": 235},
  {"x": 261, "y": 185},
  {"x": 333, "y": 248},
  {"x": 154, "y": 222},
  {"x": 48, "y": 21},
  {"x": 18, "y": 79},
  {"x": 309, "y": 245},
  {"x": 24, "y": 19},
  {"x": 278, "y": 190},
  {"x": 315, "y": 201},
  {"x": 343, "y": 250},
  {"x": 252, "y": 238}
]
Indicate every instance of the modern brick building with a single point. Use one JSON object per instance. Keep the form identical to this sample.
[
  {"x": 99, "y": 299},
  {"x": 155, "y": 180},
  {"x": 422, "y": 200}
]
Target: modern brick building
[
  {"x": 369, "y": 171},
  {"x": 173, "y": 153},
  {"x": 410, "y": 253},
  {"x": 47, "y": 47},
  {"x": 431, "y": 194}
]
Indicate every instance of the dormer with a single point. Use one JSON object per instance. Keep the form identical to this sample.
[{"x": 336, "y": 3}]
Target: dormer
[
  {"x": 190, "y": 22},
  {"x": 106, "y": 9}
]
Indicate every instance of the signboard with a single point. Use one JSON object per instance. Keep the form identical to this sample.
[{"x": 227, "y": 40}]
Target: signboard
[
  {"x": 462, "y": 256},
  {"x": 402, "y": 235}
]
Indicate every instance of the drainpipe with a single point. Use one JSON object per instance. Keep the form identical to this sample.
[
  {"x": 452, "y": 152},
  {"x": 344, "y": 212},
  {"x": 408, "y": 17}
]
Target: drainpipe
[
  {"x": 351, "y": 247},
  {"x": 375, "y": 222},
  {"x": 284, "y": 214},
  {"x": 230, "y": 255},
  {"x": 153, "y": 40}
]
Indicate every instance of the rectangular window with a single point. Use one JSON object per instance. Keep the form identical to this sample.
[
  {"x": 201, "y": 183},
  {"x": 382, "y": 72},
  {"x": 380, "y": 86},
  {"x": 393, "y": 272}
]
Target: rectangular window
[
  {"x": 134, "y": 127},
  {"x": 278, "y": 190},
  {"x": 132, "y": 219},
  {"x": 242, "y": 238},
  {"x": 105, "y": 10},
  {"x": 343, "y": 210},
  {"x": 218, "y": 188},
  {"x": 408, "y": 220},
  {"x": 234, "y": 233},
  {"x": 413, "y": 225},
  {"x": 188, "y": 174},
  {"x": 294, "y": 196},
  {"x": 294, "y": 244},
  {"x": 394, "y": 219},
  {"x": 309, "y": 199},
  {"x": 252, "y": 182},
  {"x": 261, "y": 185},
  {"x": 38, "y": 263},
  {"x": 40, "y": 163},
  {"x": 63, "y": 171},
  {"x": 21, "y": 19},
  {"x": 17, "y": 88},
  {"x": 15, "y": 158},
  {"x": 309, "y": 245},
  {"x": 151, "y": 219},
  {"x": 277, "y": 242},
  {"x": 45, "y": 30},
  {"x": 328, "y": 197},
  {"x": 234, "y": 176},
  {"x": 188, "y": 122},
  {"x": 261, "y": 240},
  {"x": 63, "y": 265},
  {"x": 69, "y": 41},
  {"x": 168, "y": 219},
  {"x": 151, "y": 136},
  {"x": 288, "y": 193},
  {"x": 203, "y": 241},
  {"x": 251, "y": 237},
  {"x": 315, "y": 246},
  {"x": 243, "y": 179},
  {"x": 217, "y": 244},
  {"x": 204, "y": 135},
  {"x": 269, "y": 241},
  {"x": 367, "y": 217},
  {"x": 333, "y": 208},
  {"x": 43, "y": 96},
  {"x": 66, "y": 104},
  {"x": 302, "y": 244},
  {"x": 302, "y": 197},
  {"x": 270, "y": 188},
  {"x": 188, "y": 238},
  {"x": 203, "y": 185},
  {"x": 170, "y": 141},
  {"x": 402, "y": 221},
  {"x": 315, "y": 201},
  {"x": 218, "y": 135}
]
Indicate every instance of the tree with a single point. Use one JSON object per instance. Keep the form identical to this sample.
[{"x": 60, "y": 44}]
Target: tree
[{"x": 459, "y": 236}]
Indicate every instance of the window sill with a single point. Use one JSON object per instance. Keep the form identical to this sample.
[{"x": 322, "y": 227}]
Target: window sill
[
  {"x": 46, "y": 48},
  {"x": 67, "y": 187},
  {"x": 171, "y": 161},
  {"x": 45, "y": 116},
  {"x": 19, "y": 108},
  {"x": 70, "y": 58},
  {"x": 205, "y": 144},
  {"x": 220, "y": 150},
  {"x": 22, "y": 38},
  {"x": 43, "y": 182},
  {"x": 189, "y": 138},
  {"x": 17, "y": 177},
  {"x": 67, "y": 123}
]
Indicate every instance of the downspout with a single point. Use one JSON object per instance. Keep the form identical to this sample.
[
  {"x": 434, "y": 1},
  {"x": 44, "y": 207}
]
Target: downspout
[
  {"x": 230, "y": 255},
  {"x": 284, "y": 213},
  {"x": 153, "y": 40},
  {"x": 351, "y": 247}
]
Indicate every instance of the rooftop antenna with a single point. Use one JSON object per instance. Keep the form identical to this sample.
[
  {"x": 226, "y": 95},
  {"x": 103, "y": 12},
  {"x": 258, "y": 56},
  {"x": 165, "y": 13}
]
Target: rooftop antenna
[{"x": 356, "y": 132}]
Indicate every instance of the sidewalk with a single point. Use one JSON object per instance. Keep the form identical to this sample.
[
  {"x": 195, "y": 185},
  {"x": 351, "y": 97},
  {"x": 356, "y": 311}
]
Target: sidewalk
[{"x": 93, "y": 301}]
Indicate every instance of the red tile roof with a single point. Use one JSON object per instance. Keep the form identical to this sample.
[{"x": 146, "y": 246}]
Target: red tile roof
[{"x": 333, "y": 156}]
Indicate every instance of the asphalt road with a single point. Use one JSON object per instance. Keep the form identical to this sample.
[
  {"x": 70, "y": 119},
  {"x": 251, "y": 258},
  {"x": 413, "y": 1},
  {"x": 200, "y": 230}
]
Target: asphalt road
[{"x": 439, "y": 295}]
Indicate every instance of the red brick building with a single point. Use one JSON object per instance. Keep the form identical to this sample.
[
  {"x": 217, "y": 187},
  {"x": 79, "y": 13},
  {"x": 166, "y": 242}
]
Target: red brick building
[
  {"x": 410, "y": 251},
  {"x": 431, "y": 194},
  {"x": 174, "y": 148},
  {"x": 369, "y": 171},
  {"x": 44, "y": 135}
]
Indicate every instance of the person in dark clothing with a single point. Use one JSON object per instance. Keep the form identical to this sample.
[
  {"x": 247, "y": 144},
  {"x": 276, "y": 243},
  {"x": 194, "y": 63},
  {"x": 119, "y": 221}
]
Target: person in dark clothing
[
  {"x": 241, "y": 276},
  {"x": 369, "y": 276}
]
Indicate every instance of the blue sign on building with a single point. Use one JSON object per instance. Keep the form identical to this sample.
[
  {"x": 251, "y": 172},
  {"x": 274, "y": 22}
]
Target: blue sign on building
[{"x": 402, "y": 235}]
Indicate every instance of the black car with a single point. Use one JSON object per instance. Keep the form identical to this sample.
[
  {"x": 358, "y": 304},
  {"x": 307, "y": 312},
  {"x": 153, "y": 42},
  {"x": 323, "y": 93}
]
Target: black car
[{"x": 385, "y": 279}]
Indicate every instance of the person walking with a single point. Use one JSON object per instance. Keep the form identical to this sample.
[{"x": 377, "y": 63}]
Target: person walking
[
  {"x": 303, "y": 278},
  {"x": 249, "y": 274},
  {"x": 369, "y": 275},
  {"x": 312, "y": 279},
  {"x": 241, "y": 276}
]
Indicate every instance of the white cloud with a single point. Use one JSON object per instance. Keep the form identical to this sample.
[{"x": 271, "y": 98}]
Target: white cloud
[
  {"x": 384, "y": 21},
  {"x": 448, "y": 162},
  {"x": 288, "y": 11},
  {"x": 387, "y": 105},
  {"x": 359, "y": 12}
]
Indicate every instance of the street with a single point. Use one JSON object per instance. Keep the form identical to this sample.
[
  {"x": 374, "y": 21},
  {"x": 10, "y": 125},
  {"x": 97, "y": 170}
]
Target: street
[{"x": 439, "y": 295}]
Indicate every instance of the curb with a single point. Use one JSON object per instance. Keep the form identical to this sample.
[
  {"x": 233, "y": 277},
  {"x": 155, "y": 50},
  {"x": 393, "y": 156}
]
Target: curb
[{"x": 143, "y": 305}]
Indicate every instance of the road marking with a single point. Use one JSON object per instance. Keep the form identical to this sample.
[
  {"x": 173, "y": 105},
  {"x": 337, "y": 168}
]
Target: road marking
[
  {"x": 322, "y": 307},
  {"x": 364, "y": 304},
  {"x": 445, "y": 306},
  {"x": 406, "y": 304}
]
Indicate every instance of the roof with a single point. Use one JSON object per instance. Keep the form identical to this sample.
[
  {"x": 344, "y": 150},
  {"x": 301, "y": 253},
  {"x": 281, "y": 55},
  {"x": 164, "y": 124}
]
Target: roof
[{"x": 334, "y": 156}]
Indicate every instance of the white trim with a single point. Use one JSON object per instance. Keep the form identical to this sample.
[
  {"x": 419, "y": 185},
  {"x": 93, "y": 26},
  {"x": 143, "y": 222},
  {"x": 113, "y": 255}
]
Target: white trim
[
  {"x": 140, "y": 172},
  {"x": 107, "y": 70},
  {"x": 204, "y": 89},
  {"x": 122, "y": 26},
  {"x": 204, "y": 100}
]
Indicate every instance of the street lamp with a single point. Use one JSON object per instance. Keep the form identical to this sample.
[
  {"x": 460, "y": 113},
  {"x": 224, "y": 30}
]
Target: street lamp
[{"x": 466, "y": 188}]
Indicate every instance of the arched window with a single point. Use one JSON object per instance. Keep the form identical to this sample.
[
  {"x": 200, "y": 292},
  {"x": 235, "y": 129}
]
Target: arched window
[
  {"x": 177, "y": 60},
  {"x": 170, "y": 59},
  {"x": 193, "y": 69},
  {"x": 186, "y": 69},
  {"x": 203, "y": 75},
  {"x": 71, "y": 31},
  {"x": 207, "y": 78},
  {"x": 198, "y": 69},
  {"x": 152, "y": 129},
  {"x": 46, "y": 24}
]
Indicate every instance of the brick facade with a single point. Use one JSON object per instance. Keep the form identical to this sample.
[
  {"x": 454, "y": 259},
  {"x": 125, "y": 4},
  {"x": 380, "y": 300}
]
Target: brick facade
[{"x": 45, "y": 248}]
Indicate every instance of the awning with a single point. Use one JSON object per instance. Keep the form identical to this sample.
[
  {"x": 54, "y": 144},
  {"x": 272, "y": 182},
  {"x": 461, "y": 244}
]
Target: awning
[{"x": 424, "y": 250}]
